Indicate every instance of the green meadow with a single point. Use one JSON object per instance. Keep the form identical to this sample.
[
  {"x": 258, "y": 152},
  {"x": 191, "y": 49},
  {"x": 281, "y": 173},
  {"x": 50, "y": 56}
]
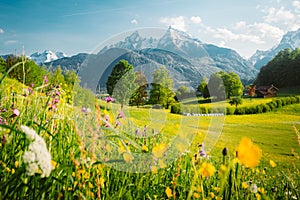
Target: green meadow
[{"x": 51, "y": 149}]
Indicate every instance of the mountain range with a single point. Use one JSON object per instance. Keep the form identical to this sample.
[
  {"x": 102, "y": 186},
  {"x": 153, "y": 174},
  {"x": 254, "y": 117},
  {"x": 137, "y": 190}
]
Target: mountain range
[
  {"x": 290, "y": 40},
  {"x": 187, "y": 59},
  {"x": 46, "y": 56}
]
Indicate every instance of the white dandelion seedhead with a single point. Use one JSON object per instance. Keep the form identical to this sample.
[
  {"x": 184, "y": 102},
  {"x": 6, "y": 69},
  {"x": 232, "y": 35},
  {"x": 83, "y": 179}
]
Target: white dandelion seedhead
[
  {"x": 253, "y": 188},
  {"x": 37, "y": 157}
]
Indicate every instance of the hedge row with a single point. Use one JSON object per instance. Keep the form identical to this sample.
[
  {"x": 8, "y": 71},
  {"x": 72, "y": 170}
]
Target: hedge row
[
  {"x": 265, "y": 107},
  {"x": 261, "y": 108},
  {"x": 181, "y": 109}
]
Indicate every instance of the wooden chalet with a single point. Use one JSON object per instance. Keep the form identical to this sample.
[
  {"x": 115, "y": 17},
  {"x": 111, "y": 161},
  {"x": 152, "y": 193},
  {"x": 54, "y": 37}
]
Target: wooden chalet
[{"x": 267, "y": 91}]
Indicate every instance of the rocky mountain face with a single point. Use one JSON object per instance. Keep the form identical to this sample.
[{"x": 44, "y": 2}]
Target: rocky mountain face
[
  {"x": 290, "y": 40},
  {"x": 187, "y": 59}
]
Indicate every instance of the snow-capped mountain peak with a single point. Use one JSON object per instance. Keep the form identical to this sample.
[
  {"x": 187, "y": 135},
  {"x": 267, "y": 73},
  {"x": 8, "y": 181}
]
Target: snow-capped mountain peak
[
  {"x": 290, "y": 40},
  {"x": 177, "y": 38},
  {"x": 46, "y": 56}
]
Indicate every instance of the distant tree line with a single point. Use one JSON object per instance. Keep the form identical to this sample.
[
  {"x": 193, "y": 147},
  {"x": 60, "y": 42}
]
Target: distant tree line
[{"x": 127, "y": 86}]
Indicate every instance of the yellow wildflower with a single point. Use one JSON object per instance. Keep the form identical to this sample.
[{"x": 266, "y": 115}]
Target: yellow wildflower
[
  {"x": 196, "y": 195},
  {"x": 217, "y": 189},
  {"x": 100, "y": 182},
  {"x": 258, "y": 196},
  {"x": 272, "y": 163},
  {"x": 212, "y": 195},
  {"x": 154, "y": 170},
  {"x": 86, "y": 175},
  {"x": 207, "y": 169},
  {"x": 248, "y": 153},
  {"x": 169, "y": 192},
  {"x": 222, "y": 169},
  {"x": 161, "y": 163},
  {"x": 159, "y": 150},
  {"x": 53, "y": 163},
  {"x": 122, "y": 149},
  {"x": 198, "y": 189},
  {"x": 145, "y": 148},
  {"x": 262, "y": 190},
  {"x": 127, "y": 157},
  {"x": 16, "y": 164},
  {"x": 91, "y": 185},
  {"x": 244, "y": 185},
  {"x": 12, "y": 170},
  {"x": 73, "y": 174}
]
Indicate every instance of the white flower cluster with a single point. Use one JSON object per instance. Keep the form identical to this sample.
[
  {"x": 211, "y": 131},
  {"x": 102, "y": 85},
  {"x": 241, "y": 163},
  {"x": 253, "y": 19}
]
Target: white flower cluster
[{"x": 37, "y": 158}]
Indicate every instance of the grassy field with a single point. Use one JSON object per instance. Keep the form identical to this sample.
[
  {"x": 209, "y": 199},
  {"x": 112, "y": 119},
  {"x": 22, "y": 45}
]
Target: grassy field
[
  {"x": 52, "y": 150},
  {"x": 273, "y": 131}
]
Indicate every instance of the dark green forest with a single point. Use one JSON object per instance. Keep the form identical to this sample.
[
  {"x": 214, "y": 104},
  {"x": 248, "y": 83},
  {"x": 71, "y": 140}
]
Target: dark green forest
[{"x": 282, "y": 71}]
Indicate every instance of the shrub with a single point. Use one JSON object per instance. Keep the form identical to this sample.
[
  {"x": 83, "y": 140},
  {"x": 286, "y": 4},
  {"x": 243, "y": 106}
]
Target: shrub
[
  {"x": 259, "y": 109},
  {"x": 265, "y": 108},
  {"x": 176, "y": 109},
  {"x": 203, "y": 110},
  {"x": 297, "y": 99},
  {"x": 230, "y": 110},
  {"x": 288, "y": 100},
  {"x": 239, "y": 111},
  {"x": 209, "y": 110},
  {"x": 271, "y": 105},
  {"x": 250, "y": 110},
  {"x": 278, "y": 103},
  {"x": 293, "y": 100}
]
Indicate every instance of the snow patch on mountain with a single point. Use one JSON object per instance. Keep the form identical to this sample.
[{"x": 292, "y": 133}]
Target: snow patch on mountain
[
  {"x": 46, "y": 56},
  {"x": 290, "y": 40}
]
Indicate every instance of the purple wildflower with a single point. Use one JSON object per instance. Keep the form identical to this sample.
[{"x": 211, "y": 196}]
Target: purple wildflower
[
  {"x": 16, "y": 112},
  {"x": 57, "y": 92},
  {"x": 137, "y": 132},
  {"x": 202, "y": 152},
  {"x": 55, "y": 101},
  {"x": 120, "y": 115},
  {"x": 45, "y": 79},
  {"x": 83, "y": 109},
  {"x": 118, "y": 123},
  {"x": 31, "y": 85},
  {"x": 3, "y": 139},
  {"x": 109, "y": 99}
]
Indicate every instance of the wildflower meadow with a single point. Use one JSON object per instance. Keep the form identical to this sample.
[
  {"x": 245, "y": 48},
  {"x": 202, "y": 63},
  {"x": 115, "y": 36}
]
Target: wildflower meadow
[{"x": 55, "y": 144}]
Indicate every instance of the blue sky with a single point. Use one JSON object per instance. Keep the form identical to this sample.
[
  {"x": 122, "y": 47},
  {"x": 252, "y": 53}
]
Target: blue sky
[{"x": 74, "y": 26}]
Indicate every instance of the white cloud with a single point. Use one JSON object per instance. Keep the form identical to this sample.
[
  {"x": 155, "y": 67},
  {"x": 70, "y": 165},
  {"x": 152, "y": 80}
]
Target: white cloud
[
  {"x": 134, "y": 21},
  {"x": 1, "y": 30},
  {"x": 9, "y": 42},
  {"x": 227, "y": 35},
  {"x": 279, "y": 15},
  {"x": 196, "y": 20},
  {"x": 175, "y": 22},
  {"x": 296, "y": 4}
]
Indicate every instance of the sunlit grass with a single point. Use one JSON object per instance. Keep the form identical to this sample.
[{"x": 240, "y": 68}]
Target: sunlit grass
[{"x": 85, "y": 145}]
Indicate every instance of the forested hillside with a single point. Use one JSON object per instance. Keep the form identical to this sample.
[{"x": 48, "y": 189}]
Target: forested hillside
[{"x": 282, "y": 71}]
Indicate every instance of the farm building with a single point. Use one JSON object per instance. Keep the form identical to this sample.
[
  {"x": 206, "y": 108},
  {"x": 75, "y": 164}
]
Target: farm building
[{"x": 267, "y": 91}]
